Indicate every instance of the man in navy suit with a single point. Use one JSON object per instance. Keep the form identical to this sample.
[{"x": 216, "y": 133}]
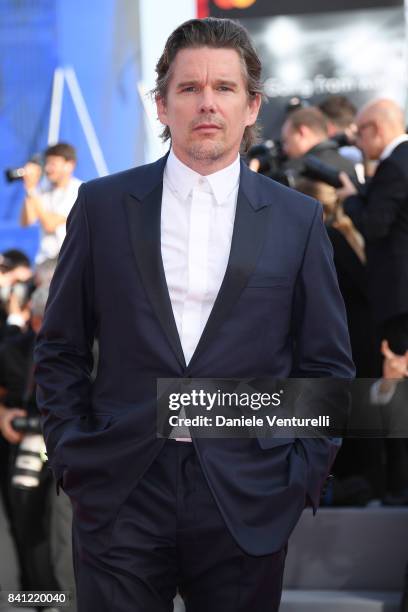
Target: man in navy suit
[{"x": 192, "y": 266}]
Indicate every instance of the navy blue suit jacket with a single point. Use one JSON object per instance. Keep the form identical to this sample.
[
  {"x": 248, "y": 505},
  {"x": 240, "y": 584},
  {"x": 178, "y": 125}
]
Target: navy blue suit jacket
[{"x": 278, "y": 313}]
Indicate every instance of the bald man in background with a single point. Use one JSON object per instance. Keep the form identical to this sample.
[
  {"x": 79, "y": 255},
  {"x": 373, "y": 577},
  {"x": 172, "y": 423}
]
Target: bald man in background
[{"x": 381, "y": 215}]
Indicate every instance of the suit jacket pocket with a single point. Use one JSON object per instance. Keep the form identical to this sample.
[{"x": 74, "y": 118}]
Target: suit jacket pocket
[
  {"x": 95, "y": 422},
  {"x": 78, "y": 449},
  {"x": 84, "y": 435},
  {"x": 58, "y": 473}
]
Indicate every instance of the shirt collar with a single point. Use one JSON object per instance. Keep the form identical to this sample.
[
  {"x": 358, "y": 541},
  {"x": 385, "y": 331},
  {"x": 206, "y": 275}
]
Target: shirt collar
[
  {"x": 393, "y": 145},
  {"x": 183, "y": 179}
]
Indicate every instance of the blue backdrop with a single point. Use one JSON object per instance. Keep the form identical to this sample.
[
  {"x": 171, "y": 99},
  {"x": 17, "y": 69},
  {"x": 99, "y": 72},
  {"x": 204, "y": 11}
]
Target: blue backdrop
[{"x": 100, "y": 42}]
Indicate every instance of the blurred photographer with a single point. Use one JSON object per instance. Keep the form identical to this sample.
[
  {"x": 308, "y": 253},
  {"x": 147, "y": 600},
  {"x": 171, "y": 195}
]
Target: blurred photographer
[
  {"x": 341, "y": 115},
  {"x": 341, "y": 124},
  {"x": 29, "y": 481},
  {"x": 52, "y": 204},
  {"x": 15, "y": 289},
  {"x": 41, "y": 521},
  {"x": 304, "y": 134}
]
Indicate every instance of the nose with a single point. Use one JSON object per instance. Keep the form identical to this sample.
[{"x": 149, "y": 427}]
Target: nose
[{"x": 207, "y": 102}]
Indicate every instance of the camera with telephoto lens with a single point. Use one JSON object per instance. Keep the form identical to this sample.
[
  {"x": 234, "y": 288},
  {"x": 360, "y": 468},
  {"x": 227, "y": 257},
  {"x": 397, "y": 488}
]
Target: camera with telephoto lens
[
  {"x": 14, "y": 174},
  {"x": 27, "y": 425},
  {"x": 23, "y": 291},
  {"x": 271, "y": 159},
  {"x": 29, "y": 459},
  {"x": 313, "y": 168},
  {"x": 17, "y": 174},
  {"x": 272, "y": 163}
]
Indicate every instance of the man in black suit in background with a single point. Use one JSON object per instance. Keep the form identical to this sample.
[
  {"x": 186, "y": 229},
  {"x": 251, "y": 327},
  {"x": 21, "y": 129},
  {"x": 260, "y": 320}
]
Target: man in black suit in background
[
  {"x": 381, "y": 215},
  {"x": 190, "y": 267}
]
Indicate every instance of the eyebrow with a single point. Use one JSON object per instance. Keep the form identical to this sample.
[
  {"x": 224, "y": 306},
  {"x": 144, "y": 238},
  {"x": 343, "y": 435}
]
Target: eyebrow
[{"x": 191, "y": 82}]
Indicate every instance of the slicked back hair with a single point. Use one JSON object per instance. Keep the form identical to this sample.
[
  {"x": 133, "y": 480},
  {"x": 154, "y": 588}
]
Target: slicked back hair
[{"x": 217, "y": 34}]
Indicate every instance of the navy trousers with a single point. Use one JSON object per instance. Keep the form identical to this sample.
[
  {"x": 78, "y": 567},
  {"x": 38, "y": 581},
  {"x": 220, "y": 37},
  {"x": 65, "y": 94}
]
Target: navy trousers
[{"x": 169, "y": 535}]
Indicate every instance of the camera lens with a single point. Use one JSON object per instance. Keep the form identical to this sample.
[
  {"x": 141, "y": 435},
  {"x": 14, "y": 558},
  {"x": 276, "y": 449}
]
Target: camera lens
[
  {"x": 28, "y": 463},
  {"x": 14, "y": 174}
]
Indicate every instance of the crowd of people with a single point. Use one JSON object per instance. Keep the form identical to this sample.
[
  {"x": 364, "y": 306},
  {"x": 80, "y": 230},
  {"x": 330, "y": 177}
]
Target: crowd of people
[
  {"x": 367, "y": 222},
  {"x": 366, "y": 216},
  {"x": 35, "y": 521}
]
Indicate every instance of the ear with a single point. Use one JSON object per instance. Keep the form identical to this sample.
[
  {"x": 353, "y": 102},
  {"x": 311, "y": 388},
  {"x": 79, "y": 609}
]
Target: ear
[
  {"x": 331, "y": 128},
  {"x": 161, "y": 110},
  {"x": 303, "y": 130},
  {"x": 254, "y": 106}
]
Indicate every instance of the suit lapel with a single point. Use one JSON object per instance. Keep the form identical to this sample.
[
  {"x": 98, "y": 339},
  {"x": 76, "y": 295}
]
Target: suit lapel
[
  {"x": 246, "y": 244},
  {"x": 143, "y": 208},
  {"x": 144, "y": 225}
]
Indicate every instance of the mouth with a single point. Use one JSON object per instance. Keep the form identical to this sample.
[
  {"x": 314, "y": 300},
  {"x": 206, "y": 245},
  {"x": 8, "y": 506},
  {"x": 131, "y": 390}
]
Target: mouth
[{"x": 207, "y": 127}]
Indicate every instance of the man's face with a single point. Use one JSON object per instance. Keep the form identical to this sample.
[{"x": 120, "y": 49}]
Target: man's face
[
  {"x": 57, "y": 169},
  {"x": 293, "y": 142},
  {"x": 368, "y": 136},
  {"x": 207, "y": 107},
  {"x": 9, "y": 279},
  {"x": 20, "y": 274}
]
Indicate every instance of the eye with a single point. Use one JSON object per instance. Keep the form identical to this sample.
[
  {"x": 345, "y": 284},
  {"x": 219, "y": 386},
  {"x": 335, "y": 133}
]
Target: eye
[
  {"x": 224, "y": 88},
  {"x": 189, "y": 89}
]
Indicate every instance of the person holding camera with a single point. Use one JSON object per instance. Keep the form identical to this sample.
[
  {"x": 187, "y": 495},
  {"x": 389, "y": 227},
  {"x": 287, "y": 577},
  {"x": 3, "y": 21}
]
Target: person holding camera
[
  {"x": 29, "y": 482},
  {"x": 305, "y": 133},
  {"x": 50, "y": 206},
  {"x": 15, "y": 287},
  {"x": 340, "y": 113},
  {"x": 41, "y": 519}
]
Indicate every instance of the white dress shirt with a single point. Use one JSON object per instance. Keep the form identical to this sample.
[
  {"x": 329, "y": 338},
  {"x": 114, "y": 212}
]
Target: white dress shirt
[
  {"x": 57, "y": 200},
  {"x": 197, "y": 220},
  {"x": 393, "y": 145}
]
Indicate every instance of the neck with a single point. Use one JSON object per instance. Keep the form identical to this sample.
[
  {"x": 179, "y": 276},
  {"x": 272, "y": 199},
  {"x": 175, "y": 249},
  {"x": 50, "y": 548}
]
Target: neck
[
  {"x": 63, "y": 182},
  {"x": 206, "y": 166},
  {"x": 313, "y": 142},
  {"x": 392, "y": 136}
]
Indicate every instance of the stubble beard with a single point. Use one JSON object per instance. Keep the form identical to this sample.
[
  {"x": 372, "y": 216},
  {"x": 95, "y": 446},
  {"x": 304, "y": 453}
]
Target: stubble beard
[{"x": 206, "y": 151}]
